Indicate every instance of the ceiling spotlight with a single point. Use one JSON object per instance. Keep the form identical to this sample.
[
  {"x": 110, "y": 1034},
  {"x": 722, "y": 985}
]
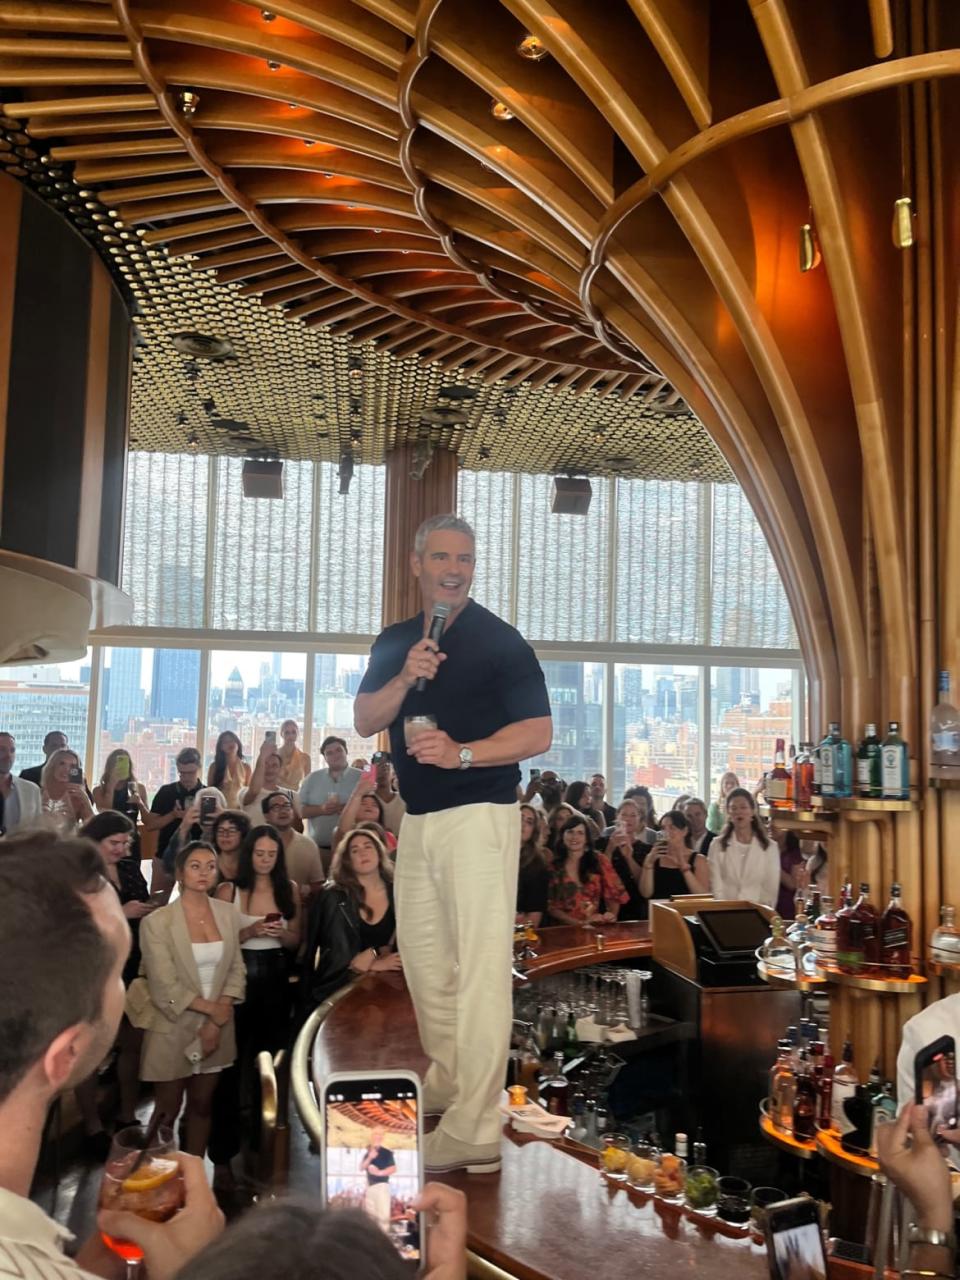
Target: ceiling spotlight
[
  {"x": 188, "y": 102},
  {"x": 273, "y": 66},
  {"x": 532, "y": 48},
  {"x": 500, "y": 111},
  {"x": 193, "y": 443},
  {"x": 345, "y": 471}
]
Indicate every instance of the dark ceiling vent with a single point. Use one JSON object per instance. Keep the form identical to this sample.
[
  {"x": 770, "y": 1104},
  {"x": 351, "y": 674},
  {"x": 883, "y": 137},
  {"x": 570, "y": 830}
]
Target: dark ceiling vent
[{"x": 200, "y": 346}]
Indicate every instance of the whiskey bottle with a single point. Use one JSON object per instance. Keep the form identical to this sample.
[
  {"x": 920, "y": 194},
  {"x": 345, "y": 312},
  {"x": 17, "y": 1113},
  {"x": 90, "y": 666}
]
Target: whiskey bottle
[
  {"x": 894, "y": 765},
  {"x": 824, "y": 932},
  {"x": 858, "y": 935},
  {"x": 779, "y": 781},
  {"x": 896, "y": 934},
  {"x": 869, "y": 779},
  {"x": 849, "y": 953},
  {"x": 803, "y": 777}
]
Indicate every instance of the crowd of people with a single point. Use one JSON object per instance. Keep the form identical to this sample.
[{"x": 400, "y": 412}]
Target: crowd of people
[
  {"x": 268, "y": 869},
  {"x": 582, "y": 861}
]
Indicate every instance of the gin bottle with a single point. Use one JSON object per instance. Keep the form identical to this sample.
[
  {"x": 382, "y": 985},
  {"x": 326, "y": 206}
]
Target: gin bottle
[
  {"x": 894, "y": 765},
  {"x": 869, "y": 780},
  {"x": 945, "y": 727}
]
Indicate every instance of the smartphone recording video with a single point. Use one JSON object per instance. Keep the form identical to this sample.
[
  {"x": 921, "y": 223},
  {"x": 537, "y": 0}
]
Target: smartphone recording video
[
  {"x": 935, "y": 1083},
  {"x": 371, "y": 1153},
  {"x": 795, "y": 1241}
]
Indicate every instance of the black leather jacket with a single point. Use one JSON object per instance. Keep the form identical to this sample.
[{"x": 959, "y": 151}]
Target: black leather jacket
[{"x": 333, "y": 939}]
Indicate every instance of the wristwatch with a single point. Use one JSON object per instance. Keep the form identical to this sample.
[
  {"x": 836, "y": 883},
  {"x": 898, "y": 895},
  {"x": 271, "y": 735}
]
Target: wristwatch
[
  {"x": 929, "y": 1235},
  {"x": 466, "y": 757}
]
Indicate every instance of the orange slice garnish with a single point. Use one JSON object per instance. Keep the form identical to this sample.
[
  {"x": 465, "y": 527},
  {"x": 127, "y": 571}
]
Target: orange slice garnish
[{"x": 152, "y": 1174}]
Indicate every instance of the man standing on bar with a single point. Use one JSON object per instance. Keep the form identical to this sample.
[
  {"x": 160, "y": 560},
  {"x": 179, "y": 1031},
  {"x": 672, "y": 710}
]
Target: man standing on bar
[{"x": 456, "y": 877}]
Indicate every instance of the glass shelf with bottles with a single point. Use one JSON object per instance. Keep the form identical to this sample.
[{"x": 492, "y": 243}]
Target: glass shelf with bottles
[
  {"x": 803, "y": 1148},
  {"x": 863, "y": 804}
]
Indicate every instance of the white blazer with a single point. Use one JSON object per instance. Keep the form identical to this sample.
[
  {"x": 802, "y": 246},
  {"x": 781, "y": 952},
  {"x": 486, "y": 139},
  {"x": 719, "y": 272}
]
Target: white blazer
[
  {"x": 28, "y": 795},
  {"x": 750, "y": 877}
]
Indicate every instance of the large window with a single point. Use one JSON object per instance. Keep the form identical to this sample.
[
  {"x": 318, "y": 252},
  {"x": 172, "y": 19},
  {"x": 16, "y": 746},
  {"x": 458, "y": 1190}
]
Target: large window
[
  {"x": 336, "y": 681},
  {"x": 34, "y": 700},
  {"x": 148, "y": 704},
  {"x": 251, "y": 692},
  {"x": 750, "y": 708},
  {"x": 576, "y": 703},
  {"x": 656, "y": 731}
]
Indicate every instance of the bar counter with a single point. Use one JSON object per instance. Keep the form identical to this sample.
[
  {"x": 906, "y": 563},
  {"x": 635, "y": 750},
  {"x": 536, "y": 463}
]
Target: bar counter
[{"x": 549, "y": 1213}]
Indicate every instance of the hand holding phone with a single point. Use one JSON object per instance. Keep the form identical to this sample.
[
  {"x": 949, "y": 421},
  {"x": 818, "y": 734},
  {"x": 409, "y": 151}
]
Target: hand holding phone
[
  {"x": 935, "y": 1084},
  {"x": 368, "y": 778},
  {"x": 208, "y": 807},
  {"x": 381, "y": 1168},
  {"x": 795, "y": 1240}
]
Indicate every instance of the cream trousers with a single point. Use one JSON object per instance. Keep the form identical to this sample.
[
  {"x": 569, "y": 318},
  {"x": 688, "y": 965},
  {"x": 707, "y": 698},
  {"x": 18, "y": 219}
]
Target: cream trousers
[
  {"x": 456, "y": 900},
  {"x": 376, "y": 1201}
]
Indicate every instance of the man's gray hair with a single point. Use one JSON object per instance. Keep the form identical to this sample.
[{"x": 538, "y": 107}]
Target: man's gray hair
[{"x": 435, "y": 524}]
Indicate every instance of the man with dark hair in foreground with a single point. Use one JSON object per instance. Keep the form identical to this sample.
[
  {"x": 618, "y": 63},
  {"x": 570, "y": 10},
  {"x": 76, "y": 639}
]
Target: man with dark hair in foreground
[{"x": 63, "y": 943}]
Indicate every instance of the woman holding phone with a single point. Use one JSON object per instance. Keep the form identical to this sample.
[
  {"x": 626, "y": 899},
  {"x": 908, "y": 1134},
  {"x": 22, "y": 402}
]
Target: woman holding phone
[
  {"x": 63, "y": 797},
  {"x": 672, "y": 868},
  {"x": 229, "y": 772},
  {"x": 118, "y": 788},
  {"x": 364, "y": 806},
  {"x": 626, "y": 847},
  {"x": 267, "y": 902}
]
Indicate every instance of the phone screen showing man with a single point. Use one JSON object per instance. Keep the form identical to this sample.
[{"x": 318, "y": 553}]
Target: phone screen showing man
[
  {"x": 371, "y": 1157},
  {"x": 936, "y": 1084}
]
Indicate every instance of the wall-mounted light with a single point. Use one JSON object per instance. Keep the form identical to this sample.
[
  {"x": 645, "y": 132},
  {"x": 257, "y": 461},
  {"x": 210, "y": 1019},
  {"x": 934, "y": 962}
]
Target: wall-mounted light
[
  {"x": 308, "y": 142},
  {"x": 500, "y": 111},
  {"x": 274, "y": 66},
  {"x": 903, "y": 223},
  {"x": 266, "y": 15},
  {"x": 532, "y": 48},
  {"x": 809, "y": 248}
]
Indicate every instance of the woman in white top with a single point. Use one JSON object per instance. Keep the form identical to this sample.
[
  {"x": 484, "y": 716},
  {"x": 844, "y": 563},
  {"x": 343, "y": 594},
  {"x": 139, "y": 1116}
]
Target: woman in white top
[
  {"x": 63, "y": 796},
  {"x": 265, "y": 781},
  {"x": 744, "y": 861},
  {"x": 194, "y": 975}
]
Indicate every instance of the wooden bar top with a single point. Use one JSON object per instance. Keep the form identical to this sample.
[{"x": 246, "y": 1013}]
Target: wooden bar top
[
  {"x": 548, "y": 1213},
  {"x": 563, "y": 947}
]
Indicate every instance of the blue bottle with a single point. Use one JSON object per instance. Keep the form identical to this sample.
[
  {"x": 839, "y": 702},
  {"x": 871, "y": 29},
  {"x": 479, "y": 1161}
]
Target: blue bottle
[{"x": 836, "y": 764}]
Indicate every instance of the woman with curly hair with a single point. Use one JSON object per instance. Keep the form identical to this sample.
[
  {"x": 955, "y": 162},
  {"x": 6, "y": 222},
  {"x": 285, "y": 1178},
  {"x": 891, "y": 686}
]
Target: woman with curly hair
[{"x": 352, "y": 927}]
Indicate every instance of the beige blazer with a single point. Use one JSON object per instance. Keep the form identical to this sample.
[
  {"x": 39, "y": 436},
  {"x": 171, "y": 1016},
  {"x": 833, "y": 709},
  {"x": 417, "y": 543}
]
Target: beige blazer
[{"x": 173, "y": 982}]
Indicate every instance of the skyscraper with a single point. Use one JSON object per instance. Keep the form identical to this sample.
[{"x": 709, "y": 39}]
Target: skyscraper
[
  {"x": 176, "y": 684},
  {"x": 126, "y": 698}
]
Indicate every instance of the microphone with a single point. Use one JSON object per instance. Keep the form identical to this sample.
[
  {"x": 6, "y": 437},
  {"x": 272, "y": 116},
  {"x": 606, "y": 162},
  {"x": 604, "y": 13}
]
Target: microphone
[{"x": 440, "y": 614}]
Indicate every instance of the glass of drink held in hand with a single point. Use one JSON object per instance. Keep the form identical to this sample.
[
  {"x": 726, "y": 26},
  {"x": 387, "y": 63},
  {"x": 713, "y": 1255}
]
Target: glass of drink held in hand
[
  {"x": 413, "y": 726},
  {"x": 141, "y": 1179}
]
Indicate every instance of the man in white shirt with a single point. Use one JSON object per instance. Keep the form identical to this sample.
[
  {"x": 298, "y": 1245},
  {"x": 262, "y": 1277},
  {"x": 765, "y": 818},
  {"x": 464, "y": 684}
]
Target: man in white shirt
[
  {"x": 20, "y": 805},
  {"x": 942, "y": 1018},
  {"x": 63, "y": 943},
  {"x": 324, "y": 793}
]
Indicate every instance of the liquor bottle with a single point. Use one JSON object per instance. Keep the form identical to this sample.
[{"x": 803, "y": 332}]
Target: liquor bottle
[
  {"x": 945, "y": 940},
  {"x": 578, "y": 1113},
  {"x": 779, "y": 781},
  {"x": 777, "y": 952},
  {"x": 590, "y": 1122},
  {"x": 805, "y": 1102},
  {"x": 555, "y": 1089},
  {"x": 782, "y": 1088},
  {"x": 799, "y": 936},
  {"x": 803, "y": 777},
  {"x": 824, "y": 932},
  {"x": 824, "y": 1109},
  {"x": 884, "y": 1112},
  {"x": 817, "y": 785},
  {"x": 869, "y": 779},
  {"x": 845, "y": 1085},
  {"x": 603, "y": 1120},
  {"x": 681, "y": 1147},
  {"x": 894, "y": 765},
  {"x": 845, "y": 958},
  {"x": 858, "y": 934},
  {"x": 945, "y": 728},
  {"x": 699, "y": 1149},
  {"x": 836, "y": 761},
  {"x": 896, "y": 936}
]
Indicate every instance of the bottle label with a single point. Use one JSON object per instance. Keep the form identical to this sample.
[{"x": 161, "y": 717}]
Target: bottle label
[
  {"x": 841, "y": 1092},
  {"x": 825, "y": 942},
  {"x": 863, "y": 773},
  {"x": 895, "y": 939},
  {"x": 947, "y": 740},
  {"x": 826, "y": 769},
  {"x": 850, "y": 959},
  {"x": 817, "y": 771},
  {"x": 893, "y": 772},
  {"x": 777, "y": 789}
]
